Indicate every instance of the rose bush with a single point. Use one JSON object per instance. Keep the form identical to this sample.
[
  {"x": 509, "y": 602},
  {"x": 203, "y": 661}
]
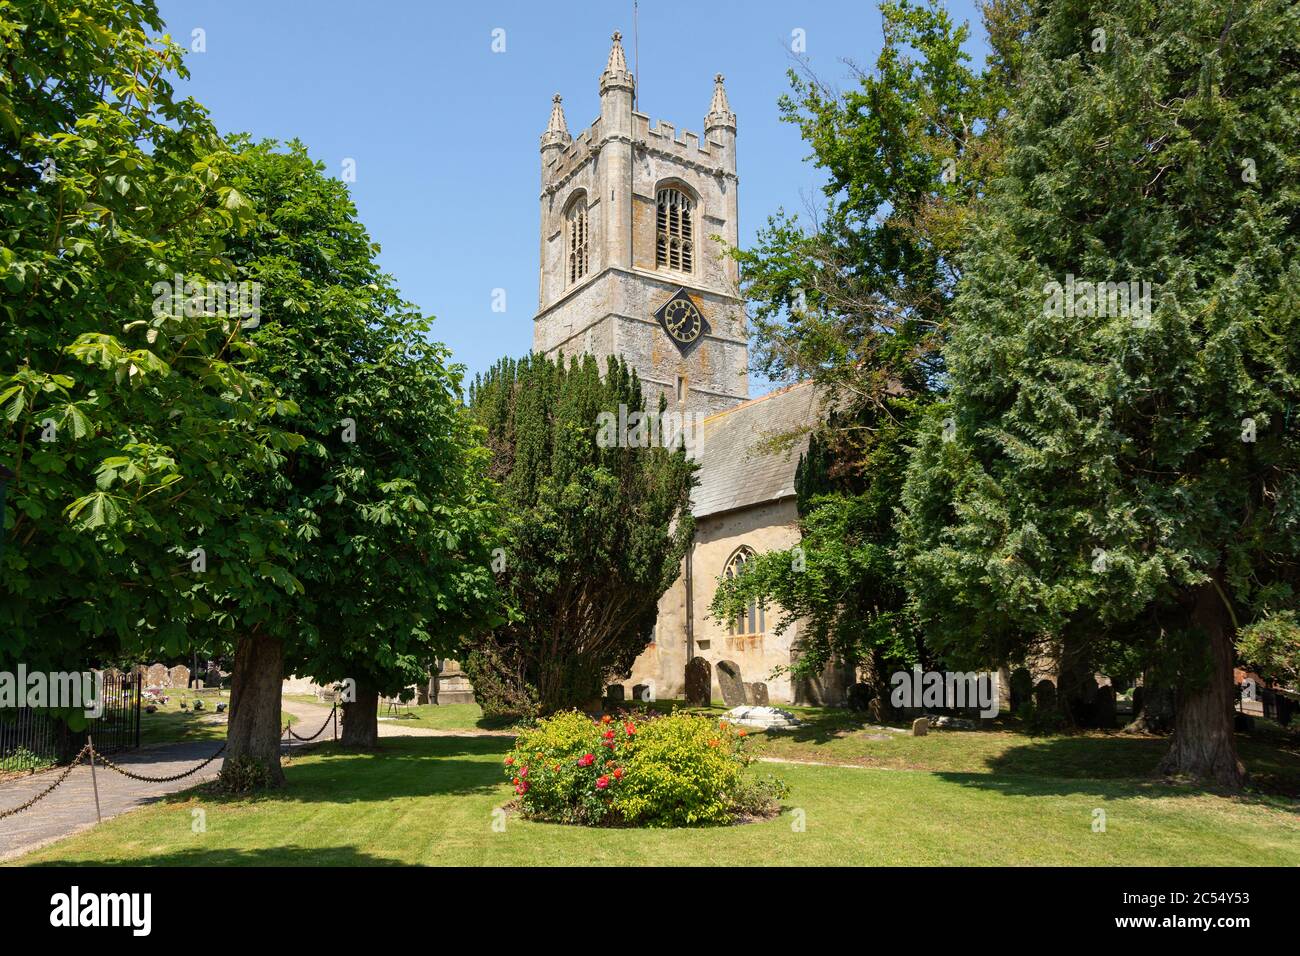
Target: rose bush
[{"x": 636, "y": 770}]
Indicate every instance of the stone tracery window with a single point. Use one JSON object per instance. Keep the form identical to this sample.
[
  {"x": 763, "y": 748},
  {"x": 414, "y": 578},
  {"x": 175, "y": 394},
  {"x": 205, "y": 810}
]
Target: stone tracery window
[
  {"x": 575, "y": 228},
  {"x": 752, "y": 619},
  {"x": 675, "y": 238}
]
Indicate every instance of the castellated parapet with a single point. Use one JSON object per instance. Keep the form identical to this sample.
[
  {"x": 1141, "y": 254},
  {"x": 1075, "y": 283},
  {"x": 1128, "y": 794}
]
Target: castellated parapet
[{"x": 631, "y": 213}]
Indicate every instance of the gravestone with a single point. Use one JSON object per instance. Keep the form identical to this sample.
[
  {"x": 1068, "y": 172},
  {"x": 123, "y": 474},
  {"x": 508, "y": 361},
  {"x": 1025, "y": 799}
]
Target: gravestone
[
  {"x": 641, "y": 693},
  {"x": 1083, "y": 701},
  {"x": 1045, "y": 695},
  {"x": 1004, "y": 689},
  {"x": 731, "y": 683},
  {"x": 180, "y": 676},
  {"x": 699, "y": 682},
  {"x": 860, "y": 696},
  {"x": 1022, "y": 688},
  {"x": 1103, "y": 708},
  {"x": 1153, "y": 710},
  {"x": 758, "y": 693},
  {"x": 614, "y": 693},
  {"x": 920, "y": 727},
  {"x": 453, "y": 685},
  {"x": 158, "y": 676}
]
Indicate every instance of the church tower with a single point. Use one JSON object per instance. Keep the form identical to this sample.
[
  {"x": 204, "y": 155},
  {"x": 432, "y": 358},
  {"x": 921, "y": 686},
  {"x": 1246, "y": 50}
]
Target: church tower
[{"x": 631, "y": 264}]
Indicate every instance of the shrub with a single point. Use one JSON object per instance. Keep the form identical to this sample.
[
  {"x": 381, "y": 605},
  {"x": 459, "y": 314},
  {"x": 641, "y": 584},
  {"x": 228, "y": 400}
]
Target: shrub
[
  {"x": 244, "y": 774},
  {"x": 636, "y": 770}
]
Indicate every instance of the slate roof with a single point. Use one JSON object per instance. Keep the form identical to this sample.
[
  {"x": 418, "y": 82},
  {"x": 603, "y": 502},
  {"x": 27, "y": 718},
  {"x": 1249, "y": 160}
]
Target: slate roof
[{"x": 739, "y": 466}]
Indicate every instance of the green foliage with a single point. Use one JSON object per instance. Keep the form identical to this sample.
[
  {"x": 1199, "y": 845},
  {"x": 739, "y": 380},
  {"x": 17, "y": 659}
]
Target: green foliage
[
  {"x": 129, "y": 431},
  {"x": 666, "y": 771},
  {"x": 244, "y": 774},
  {"x": 859, "y": 302},
  {"x": 593, "y": 535},
  {"x": 860, "y": 305},
  {"x": 1271, "y": 646},
  {"x": 1099, "y": 468},
  {"x": 842, "y": 581},
  {"x": 164, "y": 488},
  {"x": 392, "y": 515}
]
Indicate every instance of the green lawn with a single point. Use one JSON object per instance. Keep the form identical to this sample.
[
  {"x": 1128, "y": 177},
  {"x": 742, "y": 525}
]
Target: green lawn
[
  {"x": 837, "y": 736},
  {"x": 429, "y": 716},
  {"x": 447, "y": 717},
  {"x": 431, "y": 800},
  {"x": 170, "y": 724}
]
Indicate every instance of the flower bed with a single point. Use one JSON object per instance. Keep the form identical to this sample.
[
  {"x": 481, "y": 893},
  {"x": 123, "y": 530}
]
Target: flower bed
[{"x": 637, "y": 770}]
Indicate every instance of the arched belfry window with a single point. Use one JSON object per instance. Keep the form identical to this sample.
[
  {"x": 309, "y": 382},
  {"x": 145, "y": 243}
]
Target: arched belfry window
[
  {"x": 575, "y": 228},
  {"x": 675, "y": 240},
  {"x": 752, "y": 619}
]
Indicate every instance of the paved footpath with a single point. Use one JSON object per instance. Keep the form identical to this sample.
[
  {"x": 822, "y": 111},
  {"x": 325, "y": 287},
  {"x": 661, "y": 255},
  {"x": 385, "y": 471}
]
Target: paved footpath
[
  {"x": 311, "y": 717},
  {"x": 71, "y": 807}
]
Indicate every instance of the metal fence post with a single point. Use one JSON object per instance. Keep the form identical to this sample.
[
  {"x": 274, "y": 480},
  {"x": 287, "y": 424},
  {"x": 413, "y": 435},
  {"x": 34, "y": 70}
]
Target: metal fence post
[{"x": 94, "y": 782}]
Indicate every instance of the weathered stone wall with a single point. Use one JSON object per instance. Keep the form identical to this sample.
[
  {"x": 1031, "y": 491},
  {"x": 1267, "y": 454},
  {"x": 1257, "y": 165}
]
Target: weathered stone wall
[
  {"x": 769, "y": 527},
  {"x": 615, "y": 168}
]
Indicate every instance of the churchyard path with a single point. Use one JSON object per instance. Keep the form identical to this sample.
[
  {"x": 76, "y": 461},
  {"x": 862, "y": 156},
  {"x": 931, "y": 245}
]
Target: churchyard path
[{"x": 71, "y": 807}]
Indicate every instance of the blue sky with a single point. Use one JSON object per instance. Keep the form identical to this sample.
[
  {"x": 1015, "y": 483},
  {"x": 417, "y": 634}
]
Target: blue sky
[{"x": 444, "y": 132}]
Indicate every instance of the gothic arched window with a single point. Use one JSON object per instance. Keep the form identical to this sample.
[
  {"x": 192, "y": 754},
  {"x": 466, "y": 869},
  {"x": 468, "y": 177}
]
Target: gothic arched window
[
  {"x": 575, "y": 228},
  {"x": 752, "y": 619},
  {"x": 675, "y": 240}
]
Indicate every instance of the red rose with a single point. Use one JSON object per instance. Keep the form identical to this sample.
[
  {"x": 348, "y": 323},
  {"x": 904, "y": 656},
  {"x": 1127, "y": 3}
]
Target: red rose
[
  {"x": 609, "y": 735},
  {"x": 586, "y": 760},
  {"x": 602, "y": 783},
  {"x": 618, "y": 773},
  {"x": 630, "y": 729},
  {"x": 509, "y": 761}
]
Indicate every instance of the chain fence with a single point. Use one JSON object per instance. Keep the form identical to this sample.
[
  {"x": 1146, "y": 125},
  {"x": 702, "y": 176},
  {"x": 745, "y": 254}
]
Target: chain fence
[
  {"x": 171, "y": 779},
  {"x": 50, "y": 789},
  {"x": 332, "y": 715},
  {"x": 89, "y": 751}
]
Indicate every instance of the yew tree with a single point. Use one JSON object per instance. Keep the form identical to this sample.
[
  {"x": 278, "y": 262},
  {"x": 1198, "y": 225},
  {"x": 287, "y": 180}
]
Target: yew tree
[
  {"x": 858, "y": 300},
  {"x": 594, "y": 533},
  {"x": 1126, "y": 477}
]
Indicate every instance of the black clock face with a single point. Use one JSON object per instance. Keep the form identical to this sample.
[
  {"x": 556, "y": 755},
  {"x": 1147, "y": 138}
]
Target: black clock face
[{"x": 681, "y": 319}]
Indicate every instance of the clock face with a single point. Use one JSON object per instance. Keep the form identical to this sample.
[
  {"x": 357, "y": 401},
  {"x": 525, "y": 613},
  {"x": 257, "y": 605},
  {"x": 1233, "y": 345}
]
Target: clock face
[{"x": 681, "y": 319}]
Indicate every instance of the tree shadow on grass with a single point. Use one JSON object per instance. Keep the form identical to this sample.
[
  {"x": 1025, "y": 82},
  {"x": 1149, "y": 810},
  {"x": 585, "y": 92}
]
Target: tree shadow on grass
[
  {"x": 821, "y": 726},
  {"x": 1118, "y": 765},
  {"x": 268, "y": 857},
  {"x": 399, "y": 767}
]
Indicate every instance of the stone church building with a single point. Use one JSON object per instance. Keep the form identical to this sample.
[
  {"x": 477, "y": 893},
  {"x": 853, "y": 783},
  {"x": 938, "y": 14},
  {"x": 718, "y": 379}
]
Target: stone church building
[{"x": 635, "y": 217}]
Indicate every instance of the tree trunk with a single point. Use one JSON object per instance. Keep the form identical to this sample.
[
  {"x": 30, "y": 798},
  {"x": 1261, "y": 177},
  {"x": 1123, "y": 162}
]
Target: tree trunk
[
  {"x": 1203, "y": 745},
  {"x": 1153, "y": 707},
  {"x": 1075, "y": 684},
  {"x": 254, "y": 724},
  {"x": 361, "y": 718},
  {"x": 876, "y": 675}
]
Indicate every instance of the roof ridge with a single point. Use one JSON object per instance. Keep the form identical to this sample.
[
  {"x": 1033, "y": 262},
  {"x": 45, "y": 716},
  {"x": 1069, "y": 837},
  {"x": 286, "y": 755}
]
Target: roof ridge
[{"x": 762, "y": 398}]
